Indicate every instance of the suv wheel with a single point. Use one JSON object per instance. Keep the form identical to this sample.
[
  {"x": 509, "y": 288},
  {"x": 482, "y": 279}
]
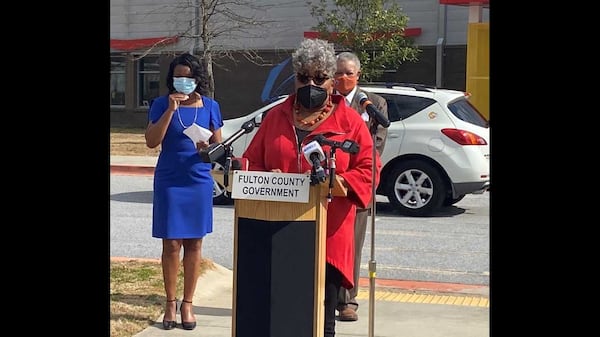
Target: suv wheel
[
  {"x": 418, "y": 188},
  {"x": 219, "y": 196}
]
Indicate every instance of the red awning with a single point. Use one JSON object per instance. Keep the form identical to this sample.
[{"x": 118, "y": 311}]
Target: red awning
[
  {"x": 133, "y": 44},
  {"x": 407, "y": 32},
  {"x": 485, "y": 3}
]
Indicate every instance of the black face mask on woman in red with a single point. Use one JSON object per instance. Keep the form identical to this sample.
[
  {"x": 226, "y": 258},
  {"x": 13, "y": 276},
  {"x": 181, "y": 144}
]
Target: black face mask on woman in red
[{"x": 311, "y": 96}]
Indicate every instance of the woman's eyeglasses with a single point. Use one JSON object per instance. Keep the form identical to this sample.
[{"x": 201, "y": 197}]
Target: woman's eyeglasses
[{"x": 304, "y": 79}]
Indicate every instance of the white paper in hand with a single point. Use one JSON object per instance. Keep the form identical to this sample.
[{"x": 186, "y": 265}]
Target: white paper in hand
[{"x": 197, "y": 133}]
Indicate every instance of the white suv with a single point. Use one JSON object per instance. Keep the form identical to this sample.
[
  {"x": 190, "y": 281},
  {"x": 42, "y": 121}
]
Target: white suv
[{"x": 437, "y": 147}]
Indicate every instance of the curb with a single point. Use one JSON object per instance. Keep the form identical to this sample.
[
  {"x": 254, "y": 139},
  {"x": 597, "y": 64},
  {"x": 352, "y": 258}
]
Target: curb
[
  {"x": 132, "y": 170},
  {"x": 136, "y": 259},
  {"x": 399, "y": 285},
  {"x": 426, "y": 286}
]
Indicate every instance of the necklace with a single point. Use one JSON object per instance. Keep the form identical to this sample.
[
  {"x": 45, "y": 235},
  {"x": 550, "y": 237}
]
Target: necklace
[
  {"x": 181, "y": 122},
  {"x": 313, "y": 121}
]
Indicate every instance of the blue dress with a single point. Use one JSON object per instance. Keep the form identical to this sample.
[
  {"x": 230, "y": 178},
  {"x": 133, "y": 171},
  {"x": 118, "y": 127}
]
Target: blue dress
[{"x": 183, "y": 184}]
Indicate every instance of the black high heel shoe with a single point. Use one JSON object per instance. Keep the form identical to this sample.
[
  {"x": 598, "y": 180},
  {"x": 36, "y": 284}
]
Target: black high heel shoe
[
  {"x": 186, "y": 325},
  {"x": 168, "y": 325}
]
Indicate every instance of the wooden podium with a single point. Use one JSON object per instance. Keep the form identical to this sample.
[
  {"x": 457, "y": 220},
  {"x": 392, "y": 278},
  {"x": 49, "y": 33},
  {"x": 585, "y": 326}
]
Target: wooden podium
[{"x": 279, "y": 265}]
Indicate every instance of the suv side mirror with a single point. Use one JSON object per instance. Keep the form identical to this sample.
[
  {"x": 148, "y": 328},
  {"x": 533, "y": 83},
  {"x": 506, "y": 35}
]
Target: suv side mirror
[{"x": 258, "y": 120}]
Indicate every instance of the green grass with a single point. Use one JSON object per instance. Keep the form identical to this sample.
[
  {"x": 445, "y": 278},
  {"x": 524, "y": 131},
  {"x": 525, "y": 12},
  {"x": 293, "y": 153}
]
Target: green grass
[{"x": 137, "y": 295}]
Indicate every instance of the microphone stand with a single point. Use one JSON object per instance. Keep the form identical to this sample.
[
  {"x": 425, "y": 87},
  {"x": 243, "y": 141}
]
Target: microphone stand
[
  {"x": 216, "y": 151},
  {"x": 331, "y": 173},
  {"x": 226, "y": 167},
  {"x": 372, "y": 262}
]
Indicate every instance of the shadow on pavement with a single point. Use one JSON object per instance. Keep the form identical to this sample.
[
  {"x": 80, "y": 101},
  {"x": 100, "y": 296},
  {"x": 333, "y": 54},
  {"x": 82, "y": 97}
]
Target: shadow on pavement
[
  {"x": 211, "y": 311},
  {"x": 386, "y": 208},
  {"x": 144, "y": 197}
]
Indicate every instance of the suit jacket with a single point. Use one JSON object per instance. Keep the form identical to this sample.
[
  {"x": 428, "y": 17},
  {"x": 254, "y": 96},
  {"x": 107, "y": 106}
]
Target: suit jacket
[
  {"x": 381, "y": 132},
  {"x": 381, "y": 105}
]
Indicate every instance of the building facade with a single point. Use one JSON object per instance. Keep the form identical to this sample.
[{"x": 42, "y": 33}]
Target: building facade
[{"x": 146, "y": 34}]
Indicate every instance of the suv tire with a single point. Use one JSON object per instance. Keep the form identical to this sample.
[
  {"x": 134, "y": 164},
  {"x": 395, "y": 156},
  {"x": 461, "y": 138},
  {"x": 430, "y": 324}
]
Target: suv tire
[
  {"x": 416, "y": 178},
  {"x": 451, "y": 201}
]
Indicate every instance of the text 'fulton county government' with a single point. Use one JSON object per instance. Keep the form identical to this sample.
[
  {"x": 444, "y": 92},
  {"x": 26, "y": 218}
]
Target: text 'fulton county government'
[{"x": 276, "y": 186}]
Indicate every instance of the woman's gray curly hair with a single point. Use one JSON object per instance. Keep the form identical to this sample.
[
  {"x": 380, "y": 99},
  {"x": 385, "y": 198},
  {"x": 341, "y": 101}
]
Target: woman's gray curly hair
[{"x": 315, "y": 55}]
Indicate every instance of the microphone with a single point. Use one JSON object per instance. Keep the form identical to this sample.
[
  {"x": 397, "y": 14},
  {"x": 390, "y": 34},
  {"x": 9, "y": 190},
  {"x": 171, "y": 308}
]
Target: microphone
[
  {"x": 247, "y": 127},
  {"x": 313, "y": 152},
  {"x": 372, "y": 110},
  {"x": 347, "y": 145},
  {"x": 215, "y": 151}
]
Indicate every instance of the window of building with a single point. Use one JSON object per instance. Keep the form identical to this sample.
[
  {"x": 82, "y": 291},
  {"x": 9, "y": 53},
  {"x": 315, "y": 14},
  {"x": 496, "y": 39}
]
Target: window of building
[
  {"x": 148, "y": 79},
  {"x": 117, "y": 80}
]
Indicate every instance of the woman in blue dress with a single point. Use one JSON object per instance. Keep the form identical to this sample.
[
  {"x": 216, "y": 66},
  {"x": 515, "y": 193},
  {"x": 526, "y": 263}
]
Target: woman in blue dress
[{"x": 183, "y": 184}]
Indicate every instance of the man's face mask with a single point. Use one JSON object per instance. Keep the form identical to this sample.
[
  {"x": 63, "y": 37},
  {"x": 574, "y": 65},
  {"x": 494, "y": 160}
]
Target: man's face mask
[{"x": 345, "y": 84}]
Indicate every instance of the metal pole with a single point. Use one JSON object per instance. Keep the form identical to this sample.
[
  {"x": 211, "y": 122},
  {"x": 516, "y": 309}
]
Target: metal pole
[
  {"x": 372, "y": 262},
  {"x": 439, "y": 50},
  {"x": 196, "y": 47}
]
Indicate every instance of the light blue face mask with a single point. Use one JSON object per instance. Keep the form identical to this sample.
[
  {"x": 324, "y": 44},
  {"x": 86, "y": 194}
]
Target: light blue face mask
[{"x": 184, "y": 85}]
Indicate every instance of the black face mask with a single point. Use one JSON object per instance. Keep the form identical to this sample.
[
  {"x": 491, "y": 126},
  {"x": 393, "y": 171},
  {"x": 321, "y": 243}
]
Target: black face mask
[{"x": 311, "y": 96}]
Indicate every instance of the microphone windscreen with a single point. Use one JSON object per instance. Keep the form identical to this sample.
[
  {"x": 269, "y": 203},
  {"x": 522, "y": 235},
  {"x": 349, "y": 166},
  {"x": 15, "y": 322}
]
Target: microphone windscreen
[{"x": 362, "y": 97}]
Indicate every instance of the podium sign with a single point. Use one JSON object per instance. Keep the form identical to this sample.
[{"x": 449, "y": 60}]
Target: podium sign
[{"x": 270, "y": 186}]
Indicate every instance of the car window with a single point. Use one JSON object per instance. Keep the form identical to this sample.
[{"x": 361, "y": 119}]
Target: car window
[
  {"x": 393, "y": 110},
  {"x": 464, "y": 110},
  {"x": 402, "y": 106}
]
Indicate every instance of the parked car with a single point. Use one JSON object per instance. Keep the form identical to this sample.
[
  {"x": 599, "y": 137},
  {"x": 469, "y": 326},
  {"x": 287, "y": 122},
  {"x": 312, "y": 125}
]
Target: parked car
[{"x": 437, "y": 148}]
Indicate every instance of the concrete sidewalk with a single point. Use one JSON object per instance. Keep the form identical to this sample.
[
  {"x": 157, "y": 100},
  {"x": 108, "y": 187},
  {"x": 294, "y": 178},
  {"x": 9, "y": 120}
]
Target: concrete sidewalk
[
  {"x": 398, "y": 312},
  {"x": 402, "y": 308}
]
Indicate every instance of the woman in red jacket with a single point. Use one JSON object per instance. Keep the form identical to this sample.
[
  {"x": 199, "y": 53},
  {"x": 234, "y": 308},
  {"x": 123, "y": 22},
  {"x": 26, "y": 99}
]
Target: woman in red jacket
[{"x": 277, "y": 146}]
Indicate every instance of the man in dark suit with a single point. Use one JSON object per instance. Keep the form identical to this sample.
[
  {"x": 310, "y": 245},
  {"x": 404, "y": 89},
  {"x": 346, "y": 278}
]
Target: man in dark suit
[{"x": 346, "y": 84}]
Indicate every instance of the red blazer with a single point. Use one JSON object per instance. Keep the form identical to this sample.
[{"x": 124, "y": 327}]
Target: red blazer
[{"x": 275, "y": 146}]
